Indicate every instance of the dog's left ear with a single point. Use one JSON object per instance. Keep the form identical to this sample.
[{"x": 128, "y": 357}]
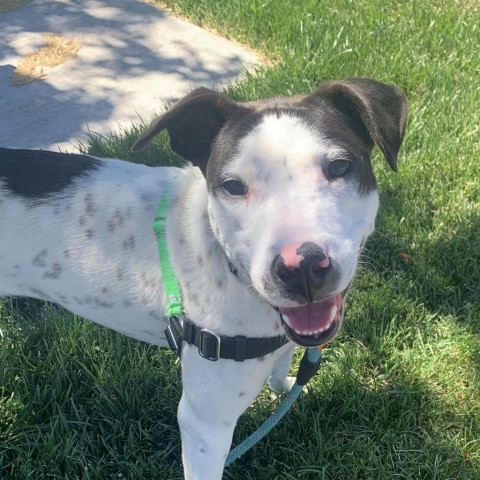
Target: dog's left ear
[
  {"x": 192, "y": 124},
  {"x": 379, "y": 110}
]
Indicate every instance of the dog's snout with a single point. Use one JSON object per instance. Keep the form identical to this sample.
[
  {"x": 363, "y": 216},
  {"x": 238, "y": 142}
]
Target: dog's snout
[
  {"x": 301, "y": 255},
  {"x": 302, "y": 269}
]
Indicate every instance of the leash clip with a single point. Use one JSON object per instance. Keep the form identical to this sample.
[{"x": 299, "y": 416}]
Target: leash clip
[
  {"x": 174, "y": 334},
  {"x": 309, "y": 365}
]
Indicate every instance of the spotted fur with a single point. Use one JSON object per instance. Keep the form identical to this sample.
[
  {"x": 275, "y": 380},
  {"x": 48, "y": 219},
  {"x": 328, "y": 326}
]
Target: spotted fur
[{"x": 273, "y": 218}]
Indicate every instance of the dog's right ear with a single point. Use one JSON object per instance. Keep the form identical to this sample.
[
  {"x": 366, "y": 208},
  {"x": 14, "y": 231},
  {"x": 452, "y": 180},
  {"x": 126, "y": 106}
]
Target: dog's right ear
[{"x": 192, "y": 123}]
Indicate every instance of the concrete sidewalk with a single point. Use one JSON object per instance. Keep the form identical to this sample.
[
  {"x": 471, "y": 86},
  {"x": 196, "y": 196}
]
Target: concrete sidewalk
[{"x": 134, "y": 58}]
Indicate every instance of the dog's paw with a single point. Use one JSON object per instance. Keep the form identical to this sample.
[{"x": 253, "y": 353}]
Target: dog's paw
[{"x": 279, "y": 386}]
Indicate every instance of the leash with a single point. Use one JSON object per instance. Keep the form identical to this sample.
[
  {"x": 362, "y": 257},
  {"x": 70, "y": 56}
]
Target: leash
[
  {"x": 309, "y": 365},
  {"x": 213, "y": 347}
]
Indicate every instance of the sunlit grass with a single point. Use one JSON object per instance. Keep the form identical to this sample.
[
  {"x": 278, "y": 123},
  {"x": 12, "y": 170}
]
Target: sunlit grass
[{"x": 398, "y": 396}]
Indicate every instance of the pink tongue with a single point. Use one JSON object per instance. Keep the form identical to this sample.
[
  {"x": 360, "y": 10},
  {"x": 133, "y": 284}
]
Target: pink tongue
[{"x": 312, "y": 316}]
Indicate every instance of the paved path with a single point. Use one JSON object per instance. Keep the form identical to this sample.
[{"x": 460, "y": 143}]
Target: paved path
[{"x": 134, "y": 58}]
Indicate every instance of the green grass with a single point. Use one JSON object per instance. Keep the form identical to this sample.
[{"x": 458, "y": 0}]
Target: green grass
[{"x": 398, "y": 396}]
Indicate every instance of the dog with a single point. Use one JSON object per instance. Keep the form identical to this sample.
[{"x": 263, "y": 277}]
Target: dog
[{"x": 264, "y": 230}]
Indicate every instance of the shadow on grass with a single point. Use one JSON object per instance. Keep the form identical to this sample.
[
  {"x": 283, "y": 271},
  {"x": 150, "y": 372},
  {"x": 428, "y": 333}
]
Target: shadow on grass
[
  {"x": 349, "y": 430},
  {"x": 93, "y": 403},
  {"x": 85, "y": 402}
]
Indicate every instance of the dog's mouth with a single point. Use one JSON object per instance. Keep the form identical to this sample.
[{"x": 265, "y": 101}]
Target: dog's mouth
[{"x": 314, "y": 323}]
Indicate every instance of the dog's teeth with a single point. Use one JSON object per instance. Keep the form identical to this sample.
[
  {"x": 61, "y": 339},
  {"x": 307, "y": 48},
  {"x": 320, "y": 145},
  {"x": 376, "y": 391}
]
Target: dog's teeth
[
  {"x": 285, "y": 318},
  {"x": 332, "y": 314},
  {"x": 318, "y": 332}
]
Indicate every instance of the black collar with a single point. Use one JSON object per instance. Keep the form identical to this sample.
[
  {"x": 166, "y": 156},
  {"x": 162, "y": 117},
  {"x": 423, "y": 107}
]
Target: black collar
[{"x": 213, "y": 347}]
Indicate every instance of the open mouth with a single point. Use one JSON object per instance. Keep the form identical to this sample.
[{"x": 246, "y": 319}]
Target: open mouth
[{"x": 314, "y": 323}]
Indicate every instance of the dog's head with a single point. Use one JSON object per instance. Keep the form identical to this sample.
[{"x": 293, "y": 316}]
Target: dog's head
[{"x": 292, "y": 195}]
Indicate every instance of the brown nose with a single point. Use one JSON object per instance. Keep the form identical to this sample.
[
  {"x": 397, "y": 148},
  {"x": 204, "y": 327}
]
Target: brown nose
[{"x": 302, "y": 269}]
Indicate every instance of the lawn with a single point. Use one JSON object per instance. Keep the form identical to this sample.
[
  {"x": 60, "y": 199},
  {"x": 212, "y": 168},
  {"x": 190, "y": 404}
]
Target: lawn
[{"x": 398, "y": 396}]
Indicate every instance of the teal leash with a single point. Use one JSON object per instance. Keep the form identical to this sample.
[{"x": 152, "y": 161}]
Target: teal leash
[
  {"x": 174, "y": 308},
  {"x": 314, "y": 357}
]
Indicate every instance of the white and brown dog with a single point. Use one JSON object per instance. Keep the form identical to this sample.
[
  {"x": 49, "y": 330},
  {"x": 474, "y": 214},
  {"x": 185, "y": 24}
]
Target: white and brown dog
[{"x": 264, "y": 231}]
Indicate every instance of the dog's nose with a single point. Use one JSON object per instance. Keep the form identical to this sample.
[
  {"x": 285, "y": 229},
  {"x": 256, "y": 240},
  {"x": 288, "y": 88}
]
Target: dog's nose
[{"x": 302, "y": 269}]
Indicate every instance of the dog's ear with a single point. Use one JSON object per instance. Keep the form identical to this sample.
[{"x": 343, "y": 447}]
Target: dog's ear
[
  {"x": 192, "y": 123},
  {"x": 379, "y": 110}
]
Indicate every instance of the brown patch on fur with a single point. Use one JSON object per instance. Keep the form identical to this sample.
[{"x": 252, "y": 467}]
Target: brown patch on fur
[
  {"x": 117, "y": 221},
  {"x": 148, "y": 283},
  {"x": 40, "y": 259},
  {"x": 54, "y": 272},
  {"x": 89, "y": 208},
  {"x": 193, "y": 298},
  {"x": 129, "y": 243}
]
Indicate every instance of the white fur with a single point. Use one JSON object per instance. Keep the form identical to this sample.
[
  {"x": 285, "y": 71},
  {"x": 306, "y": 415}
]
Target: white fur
[
  {"x": 92, "y": 249},
  {"x": 290, "y": 201}
]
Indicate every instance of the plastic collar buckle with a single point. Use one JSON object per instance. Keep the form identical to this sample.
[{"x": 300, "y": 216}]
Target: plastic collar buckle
[
  {"x": 209, "y": 344},
  {"x": 174, "y": 334}
]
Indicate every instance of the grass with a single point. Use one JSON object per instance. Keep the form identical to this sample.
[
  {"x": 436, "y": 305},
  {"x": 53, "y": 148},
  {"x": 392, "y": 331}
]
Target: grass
[{"x": 398, "y": 396}]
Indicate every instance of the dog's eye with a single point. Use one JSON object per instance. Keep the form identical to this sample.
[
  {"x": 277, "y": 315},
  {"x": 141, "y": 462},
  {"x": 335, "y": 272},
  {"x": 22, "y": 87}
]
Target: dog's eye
[
  {"x": 337, "y": 168},
  {"x": 235, "y": 187}
]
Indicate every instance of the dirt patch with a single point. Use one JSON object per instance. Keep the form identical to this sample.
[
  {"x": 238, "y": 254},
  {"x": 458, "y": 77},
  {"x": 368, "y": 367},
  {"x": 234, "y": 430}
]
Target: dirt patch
[
  {"x": 57, "y": 50},
  {"x": 7, "y": 6}
]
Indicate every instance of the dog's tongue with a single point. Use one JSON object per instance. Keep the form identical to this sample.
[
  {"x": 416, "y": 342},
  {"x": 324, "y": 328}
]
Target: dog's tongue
[{"x": 312, "y": 318}]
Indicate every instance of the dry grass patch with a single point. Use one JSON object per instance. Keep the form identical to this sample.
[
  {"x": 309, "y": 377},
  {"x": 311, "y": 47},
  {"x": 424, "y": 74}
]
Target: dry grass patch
[{"x": 57, "y": 50}]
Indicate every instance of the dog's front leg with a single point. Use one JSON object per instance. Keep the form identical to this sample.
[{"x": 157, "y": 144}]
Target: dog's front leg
[
  {"x": 214, "y": 395},
  {"x": 279, "y": 381},
  {"x": 205, "y": 440}
]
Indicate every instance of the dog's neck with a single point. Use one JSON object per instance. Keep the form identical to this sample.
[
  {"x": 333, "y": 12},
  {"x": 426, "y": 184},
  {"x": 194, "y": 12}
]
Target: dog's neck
[{"x": 204, "y": 272}]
